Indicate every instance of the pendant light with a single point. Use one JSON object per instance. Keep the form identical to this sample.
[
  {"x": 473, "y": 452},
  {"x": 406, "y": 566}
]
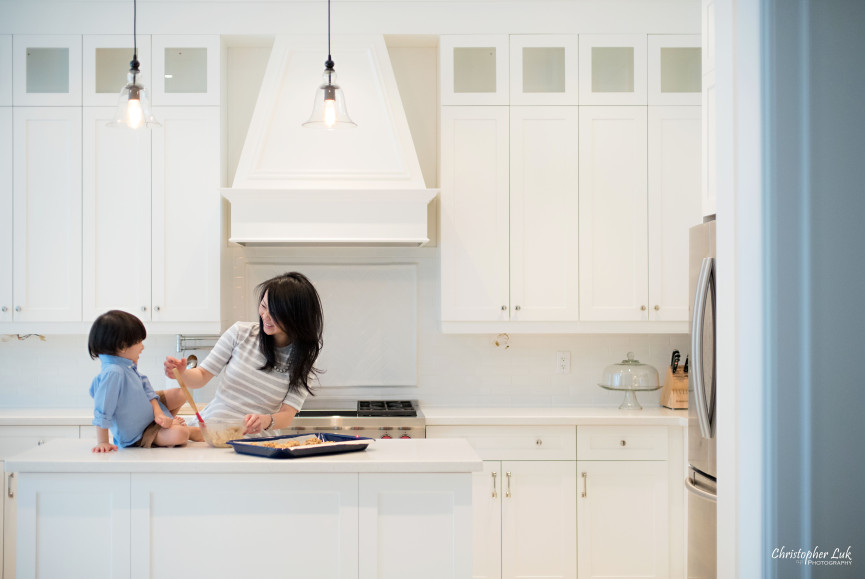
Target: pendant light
[
  {"x": 133, "y": 107},
  {"x": 328, "y": 111}
]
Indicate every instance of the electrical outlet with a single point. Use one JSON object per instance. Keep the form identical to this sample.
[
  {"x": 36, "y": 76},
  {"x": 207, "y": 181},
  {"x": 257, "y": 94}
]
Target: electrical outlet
[{"x": 563, "y": 362}]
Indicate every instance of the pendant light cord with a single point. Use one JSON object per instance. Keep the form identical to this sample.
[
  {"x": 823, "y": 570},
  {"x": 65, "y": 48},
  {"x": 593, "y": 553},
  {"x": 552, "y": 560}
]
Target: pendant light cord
[
  {"x": 135, "y": 29},
  {"x": 328, "y": 30}
]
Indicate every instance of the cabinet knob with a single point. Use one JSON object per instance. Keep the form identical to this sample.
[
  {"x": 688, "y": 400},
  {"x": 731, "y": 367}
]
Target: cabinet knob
[
  {"x": 143, "y": 308},
  {"x": 504, "y": 308},
  {"x": 156, "y": 308},
  {"x": 539, "y": 442},
  {"x": 40, "y": 442},
  {"x": 657, "y": 308},
  {"x": 4, "y": 309},
  {"x": 642, "y": 308},
  {"x": 17, "y": 308},
  {"x": 517, "y": 308},
  {"x": 623, "y": 442}
]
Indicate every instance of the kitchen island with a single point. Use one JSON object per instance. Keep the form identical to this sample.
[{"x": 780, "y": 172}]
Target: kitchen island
[{"x": 400, "y": 508}]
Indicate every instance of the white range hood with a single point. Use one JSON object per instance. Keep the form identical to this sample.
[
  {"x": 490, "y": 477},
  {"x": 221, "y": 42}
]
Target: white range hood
[{"x": 360, "y": 186}]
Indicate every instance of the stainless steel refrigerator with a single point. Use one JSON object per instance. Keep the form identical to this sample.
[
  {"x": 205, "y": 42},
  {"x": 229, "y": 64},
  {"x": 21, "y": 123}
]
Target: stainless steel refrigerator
[{"x": 702, "y": 476}]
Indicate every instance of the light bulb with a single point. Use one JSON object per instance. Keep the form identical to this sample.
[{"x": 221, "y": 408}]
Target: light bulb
[
  {"x": 134, "y": 113},
  {"x": 329, "y": 112}
]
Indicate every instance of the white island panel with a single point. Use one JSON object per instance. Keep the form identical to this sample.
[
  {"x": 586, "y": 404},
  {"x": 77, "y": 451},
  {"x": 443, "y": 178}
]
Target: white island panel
[
  {"x": 63, "y": 520},
  {"x": 238, "y": 525}
]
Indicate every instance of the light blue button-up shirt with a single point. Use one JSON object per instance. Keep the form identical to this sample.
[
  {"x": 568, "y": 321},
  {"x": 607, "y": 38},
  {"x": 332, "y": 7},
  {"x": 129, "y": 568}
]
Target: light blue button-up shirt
[{"x": 121, "y": 398}]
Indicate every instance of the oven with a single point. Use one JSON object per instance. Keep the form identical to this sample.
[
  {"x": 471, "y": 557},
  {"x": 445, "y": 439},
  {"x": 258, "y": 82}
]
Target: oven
[{"x": 387, "y": 419}]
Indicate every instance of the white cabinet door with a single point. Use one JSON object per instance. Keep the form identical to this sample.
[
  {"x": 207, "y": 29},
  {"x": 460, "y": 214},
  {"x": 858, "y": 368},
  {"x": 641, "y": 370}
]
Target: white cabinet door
[
  {"x": 613, "y": 69},
  {"x": 623, "y": 519},
  {"x": 474, "y": 69},
  {"x": 47, "y": 213},
  {"x": 613, "y": 214},
  {"x": 46, "y": 70},
  {"x": 474, "y": 213},
  {"x": 544, "y": 69},
  {"x": 240, "y": 525},
  {"x": 675, "y": 69},
  {"x": 6, "y": 218},
  {"x": 544, "y": 205},
  {"x": 186, "y": 70},
  {"x": 106, "y": 61},
  {"x": 487, "y": 521},
  {"x": 539, "y": 526},
  {"x": 6, "y": 71},
  {"x": 54, "y": 530},
  {"x": 186, "y": 215},
  {"x": 674, "y": 207},
  {"x": 710, "y": 143},
  {"x": 416, "y": 525},
  {"x": 116, "y": 217}
]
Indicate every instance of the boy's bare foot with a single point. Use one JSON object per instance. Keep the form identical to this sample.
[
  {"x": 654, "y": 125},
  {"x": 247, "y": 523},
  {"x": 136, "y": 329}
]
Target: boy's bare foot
[{"x": 195, "y": 434}]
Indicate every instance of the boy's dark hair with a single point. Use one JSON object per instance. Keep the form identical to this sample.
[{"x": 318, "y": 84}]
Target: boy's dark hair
[{"x": 114, "y": 331}]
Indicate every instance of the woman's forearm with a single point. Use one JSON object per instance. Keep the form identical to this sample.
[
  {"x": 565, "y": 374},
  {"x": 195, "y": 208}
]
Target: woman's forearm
[{"x": 196, "y": 377}]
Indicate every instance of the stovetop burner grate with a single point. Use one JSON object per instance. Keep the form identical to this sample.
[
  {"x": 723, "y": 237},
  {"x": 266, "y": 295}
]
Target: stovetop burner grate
[{"x": 385, "y": 408}]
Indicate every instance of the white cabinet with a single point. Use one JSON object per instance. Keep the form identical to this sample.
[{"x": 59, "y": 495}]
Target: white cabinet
[
  {"x": 474, "y": 213},
  {"x": 302, "y": 521},
  {"x": 186, "y": 209},
  {"x": 613, "y": 214},
  {"x": 623, "y": 519},
  {"x": 116, "y": 217},
  {"x": 53, "y": 528},
  {"x": 630, "y": 509},
  {"x": 106, "y": 67},
  {"x": 15, "y": 439},
  {"x": 613, "y": 69},
  {"x": 509, "y": 213},
  {"x": 186, "y": 70},
  {"x": 710, "y": 134},
  {"x": 474, "y": 69},
  {"x": 414, "y": 525},
  {"x": 524, "y": 502},
  {"x": 5, "y": 70},
  {"x": 46, "y": 70},
  {"x": 634, "y": 230},
  {"x": 544, "y": 69},
  {"x": 675, "y": 63},
  {"x": 46, "y": 271},
  {"x": 6, "y": 217},
  {"x": 674, "y": 176}
]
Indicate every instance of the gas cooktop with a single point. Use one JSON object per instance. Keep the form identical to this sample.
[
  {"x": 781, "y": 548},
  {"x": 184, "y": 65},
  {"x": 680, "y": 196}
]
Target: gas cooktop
[{"x": 365, "y": 408}]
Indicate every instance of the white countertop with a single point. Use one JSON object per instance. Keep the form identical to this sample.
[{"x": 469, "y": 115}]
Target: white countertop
[
  {"x": 382, "y": 456},
  {"x": 435, "y": 416},
  {"x": 565, "y": 416}
]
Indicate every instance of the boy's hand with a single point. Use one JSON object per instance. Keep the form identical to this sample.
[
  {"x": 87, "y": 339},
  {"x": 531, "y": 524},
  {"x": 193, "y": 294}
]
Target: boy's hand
[
  {"x": 104, "y": 447},
  {"x": 163, "y": 421}
]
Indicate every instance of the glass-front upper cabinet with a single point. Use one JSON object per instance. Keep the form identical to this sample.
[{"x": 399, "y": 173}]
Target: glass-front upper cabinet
[
  {"x": 544, "y": 69},
  {"x": 474, "y": 69},
  {"x": 5, "y": 70},
  {"x": 106, "y": 67},
  {"x": 612, "y": 69},
  {"x": 675, "y": 69},
  {"x": 185, "y": 70},
  {"x": 46, "y": 70}
]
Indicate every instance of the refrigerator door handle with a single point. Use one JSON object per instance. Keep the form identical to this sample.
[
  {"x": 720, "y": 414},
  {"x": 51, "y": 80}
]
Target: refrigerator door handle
[
  {"x": 702, "y": 493},
  {"x": 707, "y": 271}
]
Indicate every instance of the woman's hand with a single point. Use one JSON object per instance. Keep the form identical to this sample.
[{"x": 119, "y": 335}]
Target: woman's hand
[
  {"x": 256, "y": 423},
  {"x": 104, "y": 447},
  {"x": 171, "y": 363}
]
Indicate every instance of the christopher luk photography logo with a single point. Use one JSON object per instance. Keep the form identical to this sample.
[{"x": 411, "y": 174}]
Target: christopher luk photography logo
[{"x": 816, "y": 556}]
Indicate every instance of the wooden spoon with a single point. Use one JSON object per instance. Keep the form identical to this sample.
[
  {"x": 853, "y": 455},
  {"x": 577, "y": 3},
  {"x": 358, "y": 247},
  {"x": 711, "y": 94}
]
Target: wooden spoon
[{"x": 188, "y": 396}]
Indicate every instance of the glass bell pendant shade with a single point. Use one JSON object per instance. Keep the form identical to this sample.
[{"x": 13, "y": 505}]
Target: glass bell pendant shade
[
  {"x": 133, "y": 106},
  {"x": 329, "y": 110}
]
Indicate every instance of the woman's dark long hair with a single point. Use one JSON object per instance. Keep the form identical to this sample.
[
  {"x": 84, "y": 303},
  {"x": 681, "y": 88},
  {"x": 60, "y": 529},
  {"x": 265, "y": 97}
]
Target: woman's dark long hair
[{"x": 295, "y": 306}]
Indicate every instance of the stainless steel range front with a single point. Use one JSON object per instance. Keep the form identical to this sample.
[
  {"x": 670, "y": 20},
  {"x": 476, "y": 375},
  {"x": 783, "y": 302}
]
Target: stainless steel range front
[{"x": 369, "y": 418}]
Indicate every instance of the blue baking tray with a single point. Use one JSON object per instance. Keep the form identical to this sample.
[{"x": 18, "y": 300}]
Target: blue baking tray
[{"x": 349, "y": 444}]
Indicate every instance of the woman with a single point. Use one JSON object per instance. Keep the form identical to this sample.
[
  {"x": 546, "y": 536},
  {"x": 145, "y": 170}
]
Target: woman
[{"x": 267, "y": 366}]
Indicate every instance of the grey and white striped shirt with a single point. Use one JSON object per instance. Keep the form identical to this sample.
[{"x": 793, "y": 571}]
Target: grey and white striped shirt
[{"x": 245, "y": 389}]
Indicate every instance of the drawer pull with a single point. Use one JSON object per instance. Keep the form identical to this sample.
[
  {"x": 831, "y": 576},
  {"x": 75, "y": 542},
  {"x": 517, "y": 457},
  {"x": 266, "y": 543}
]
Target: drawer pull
[
  {"x": 10, "y": 492},
  {"x": 539, "y": 442},
  {"x": 508, "y": 491},
  {"x": 495, "y": 494},
  {"x": 623, "y": 442},
  {"x": 585, "y": 477},
  {"x": 40, "y": 442}
]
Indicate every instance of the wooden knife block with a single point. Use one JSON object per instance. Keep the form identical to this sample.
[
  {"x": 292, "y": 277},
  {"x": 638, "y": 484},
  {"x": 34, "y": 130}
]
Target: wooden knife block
[{"x": 674, "y": 394}]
